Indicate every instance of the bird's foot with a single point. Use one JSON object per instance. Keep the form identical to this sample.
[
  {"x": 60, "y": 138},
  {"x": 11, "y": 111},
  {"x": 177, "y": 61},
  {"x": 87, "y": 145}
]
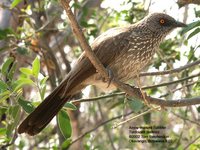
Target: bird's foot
[
  {"x": 143, "y": 94},
  {"x": 146, "y": 101},
  {"x": 110, "y": 77}
]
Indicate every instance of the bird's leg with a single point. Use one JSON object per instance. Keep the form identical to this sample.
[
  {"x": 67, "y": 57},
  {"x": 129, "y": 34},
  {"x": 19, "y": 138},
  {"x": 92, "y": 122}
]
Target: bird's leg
[
  {"x": 140, "y": 87},
  {"x": 110, "y": 76},
  {"x": 143, "y": 94}
]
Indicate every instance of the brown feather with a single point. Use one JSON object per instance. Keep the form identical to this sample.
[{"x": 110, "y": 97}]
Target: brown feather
[
  {"x": 44, "y": 113},
  {"x": 124, "y": 50}
]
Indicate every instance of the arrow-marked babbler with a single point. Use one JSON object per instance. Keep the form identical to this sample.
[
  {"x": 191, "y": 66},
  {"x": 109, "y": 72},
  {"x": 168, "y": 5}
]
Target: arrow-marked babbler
[{"x": 123, "y": 50}]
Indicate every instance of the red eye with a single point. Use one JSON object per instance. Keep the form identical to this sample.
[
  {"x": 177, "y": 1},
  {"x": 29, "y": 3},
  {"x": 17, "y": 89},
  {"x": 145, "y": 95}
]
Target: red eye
[{"x": 162, "y": 21}]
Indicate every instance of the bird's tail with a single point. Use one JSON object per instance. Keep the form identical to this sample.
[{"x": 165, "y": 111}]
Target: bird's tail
[{"x": 45, "y": 112}]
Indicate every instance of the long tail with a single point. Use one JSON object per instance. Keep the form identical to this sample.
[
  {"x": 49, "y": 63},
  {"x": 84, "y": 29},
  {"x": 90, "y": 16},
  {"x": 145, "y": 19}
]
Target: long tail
[{"x": 44, "y": 113}]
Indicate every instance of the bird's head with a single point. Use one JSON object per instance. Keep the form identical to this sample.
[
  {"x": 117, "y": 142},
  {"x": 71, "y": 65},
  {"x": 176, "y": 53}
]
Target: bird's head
[{"x": 161, "y": 23}]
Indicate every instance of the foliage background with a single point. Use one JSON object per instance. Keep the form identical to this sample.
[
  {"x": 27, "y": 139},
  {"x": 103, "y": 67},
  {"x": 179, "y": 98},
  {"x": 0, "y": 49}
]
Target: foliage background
[{"x": 37, "y": 49}]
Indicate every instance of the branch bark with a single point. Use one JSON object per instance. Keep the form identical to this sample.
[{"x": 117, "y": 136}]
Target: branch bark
[
  {"x": 170, "y": 71},
  {"x": 182, "y": 3},
  {"x": 123, "y": 93},
  {"x": 171, "y": 82},
  {"x": 83, "y": 42},
  {"x": 132, "y": 91}
]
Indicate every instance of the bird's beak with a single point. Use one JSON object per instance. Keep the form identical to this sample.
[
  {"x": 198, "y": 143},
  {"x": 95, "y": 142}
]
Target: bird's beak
[{"x": 180, "y": 24}]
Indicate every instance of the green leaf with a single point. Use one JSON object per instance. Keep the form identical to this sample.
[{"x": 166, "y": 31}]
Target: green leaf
[
  {"x": 70, "y": 106},
  {"x": 43, "y": 92},
  {"x": 147, "y": 118},
  {"x": 152, "y": 91},
  {"x": 6, "y": 65},
  {"x": 3, "y": 109},
  {"x": 135, "y": 105},
  {"x": 15, "y": 3},
  {"x": 22, "y": 82},
  {"x": 64, "y": 124},
  {"x": 197, "y": 13},
  {"x": 14, "y": 111},
  {"x": 36, "y": 67},
  {"x": 191, "y": 55},
  {"x": 2, "y": 131},
  {"x": 3, "y": 86},
  {"x": 43, "y": 81},
  {"x": 26, "y": 71},
  {"x": 22, "y": 50},
  {"x": 76, "y": 5},
  {"x": 26, "y": 105},
  {"x": 196, "y": 31},
  {"x": 198, "y": 109},
  {"x": 12, "y": 71},
  {"x": 4, "y": 93},
  {"x": 5, "y": 32},
  {"x": 66, "y": 143},
  {"x": 190, "y": 27}
]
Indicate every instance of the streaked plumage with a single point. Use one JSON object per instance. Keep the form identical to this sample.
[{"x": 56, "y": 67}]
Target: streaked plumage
[{"x": 124, "y": 50}]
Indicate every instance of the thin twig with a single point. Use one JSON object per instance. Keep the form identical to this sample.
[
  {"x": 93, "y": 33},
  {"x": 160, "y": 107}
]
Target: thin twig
[
  {"x": 192, "y": 142},
  {"x": 183, "y": 129},
  {"x": 66, "y": 62},
  {"x": 170, "y": 71},
  {"x": 83, "y": 42},
  {"x": 135, "y": 92},
  {"x": 174, "y": 90},
  {"x": 143, "y": 88},
  {"x": 4, "y": 147},
  {"x": 195, "y": 122},
  {"x": 106, "y": 127},
  {"x": 171, "y": 82},
  {"x": 100, "y": 125},
  {"x": 97, "y": 98},
  {"x": 134, "y": 117}
]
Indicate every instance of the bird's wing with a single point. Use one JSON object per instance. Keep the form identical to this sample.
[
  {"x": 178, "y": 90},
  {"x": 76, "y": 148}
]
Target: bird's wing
[
  {"x": 106, "y": 47},
  {"x": 110, "y": 44}
]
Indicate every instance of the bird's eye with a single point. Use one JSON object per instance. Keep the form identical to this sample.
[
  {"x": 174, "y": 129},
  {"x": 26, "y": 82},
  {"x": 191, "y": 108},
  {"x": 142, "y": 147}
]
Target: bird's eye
[{"x": 162, "y": 21}]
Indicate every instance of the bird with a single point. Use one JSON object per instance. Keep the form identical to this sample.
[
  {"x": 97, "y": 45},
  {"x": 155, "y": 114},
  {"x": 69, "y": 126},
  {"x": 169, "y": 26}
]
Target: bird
[{"x": 124, "y": 51}]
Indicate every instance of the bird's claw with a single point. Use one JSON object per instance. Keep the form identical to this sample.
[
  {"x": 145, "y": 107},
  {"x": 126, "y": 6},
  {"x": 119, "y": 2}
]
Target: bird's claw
[{"x": 110, "y": 77}]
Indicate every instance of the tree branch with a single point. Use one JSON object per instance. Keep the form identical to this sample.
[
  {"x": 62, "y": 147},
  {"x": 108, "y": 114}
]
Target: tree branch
[
  {"x": 132, "y": 91},
  {"x": 171, "y": 82},
  {"x": 106, "y": 127},
  {"x": 193, "y": 141},
  {"x": 134, "y": 117},
  {"x": 97, "y": 98},
  {"x": 184, "y": 118},
  {"x": 98, "y": 126},
  {"x": 144, "y": 88},
  {"x": 174, "y": 90},
  {"x": 182, "y": 3},
  {"x": 170, "y": 71},
  {"x": 83, "y": 42}
]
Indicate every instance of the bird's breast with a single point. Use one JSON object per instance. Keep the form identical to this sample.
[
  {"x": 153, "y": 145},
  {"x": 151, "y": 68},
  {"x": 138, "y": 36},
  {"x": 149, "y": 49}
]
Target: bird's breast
[
  {"x": 128, "y": 64},
  {"x": 135, "y": 58}
]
